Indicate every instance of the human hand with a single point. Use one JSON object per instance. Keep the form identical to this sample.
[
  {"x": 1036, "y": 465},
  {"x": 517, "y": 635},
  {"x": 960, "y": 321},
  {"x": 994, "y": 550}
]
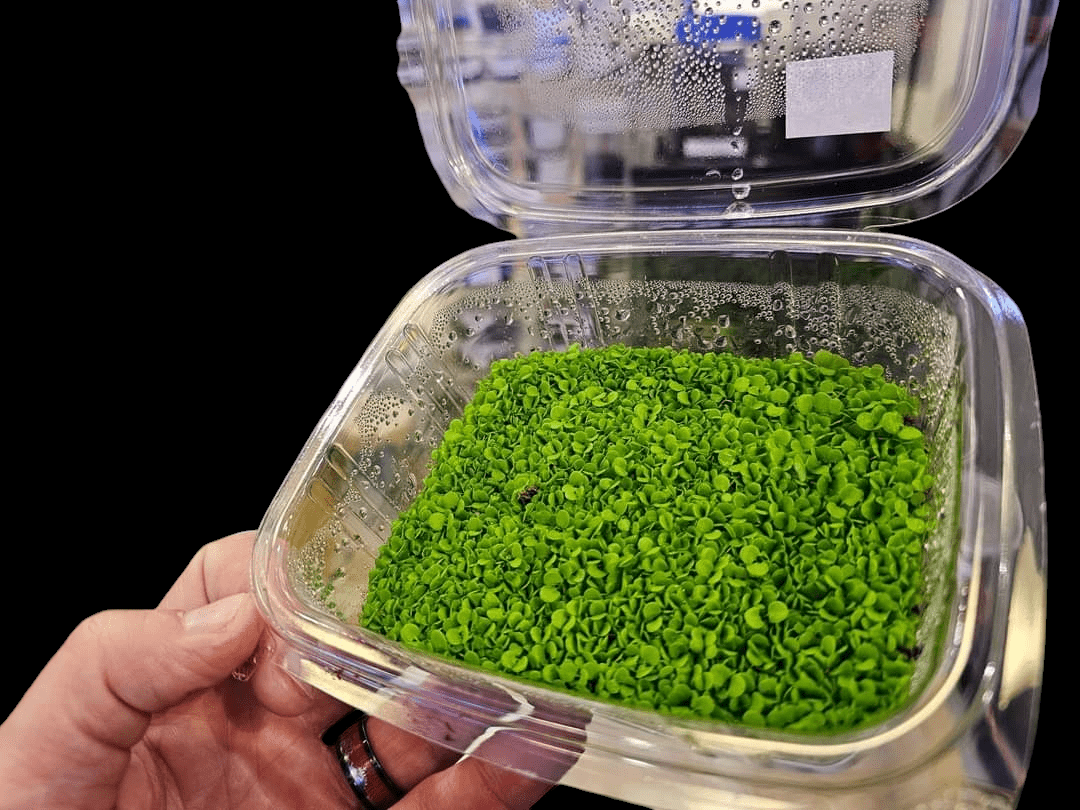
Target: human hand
[
  {"x": 425, "y": 776},
  {"x": 138, "y": 709}
]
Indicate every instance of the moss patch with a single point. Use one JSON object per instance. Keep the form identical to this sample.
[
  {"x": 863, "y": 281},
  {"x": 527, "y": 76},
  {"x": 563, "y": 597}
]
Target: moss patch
[{"x": 700, "y": 534}]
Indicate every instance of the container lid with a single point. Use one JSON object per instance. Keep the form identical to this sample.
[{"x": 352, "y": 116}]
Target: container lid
[{"x": 546, "y": 116}]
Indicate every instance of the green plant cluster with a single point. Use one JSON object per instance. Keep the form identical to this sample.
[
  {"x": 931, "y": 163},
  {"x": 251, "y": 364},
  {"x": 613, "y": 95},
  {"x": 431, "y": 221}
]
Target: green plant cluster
[{"x": 701, "y": 534}]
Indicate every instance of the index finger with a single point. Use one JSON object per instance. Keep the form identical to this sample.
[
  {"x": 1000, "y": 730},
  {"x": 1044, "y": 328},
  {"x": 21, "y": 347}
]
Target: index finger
[
  {"x": 223, "y": 568},
  {"x": 218, "y": 569}
]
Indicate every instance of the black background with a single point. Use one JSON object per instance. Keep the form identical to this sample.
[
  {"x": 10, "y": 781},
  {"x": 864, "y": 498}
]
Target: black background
[{"x": 220, "y": 216}]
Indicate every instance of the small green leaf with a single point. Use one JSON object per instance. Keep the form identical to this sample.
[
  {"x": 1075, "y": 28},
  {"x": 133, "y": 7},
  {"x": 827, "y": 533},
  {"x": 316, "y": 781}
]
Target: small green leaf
[
  {"x": 757, "y": 569},
  {"x": 909, "y": 434},
  {"x": 736, "y": 685},
  {"x": 778, "y": 611},
  {"x": 679, "y": 695},
  {"x": 753, "y": 619}
]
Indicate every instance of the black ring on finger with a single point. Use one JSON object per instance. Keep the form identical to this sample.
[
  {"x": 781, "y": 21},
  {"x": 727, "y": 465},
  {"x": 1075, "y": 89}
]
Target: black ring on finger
[{"x": 363, "y": 772}]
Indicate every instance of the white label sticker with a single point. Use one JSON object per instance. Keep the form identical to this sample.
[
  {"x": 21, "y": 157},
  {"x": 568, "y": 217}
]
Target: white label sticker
[{"x": 839, "y": 95}]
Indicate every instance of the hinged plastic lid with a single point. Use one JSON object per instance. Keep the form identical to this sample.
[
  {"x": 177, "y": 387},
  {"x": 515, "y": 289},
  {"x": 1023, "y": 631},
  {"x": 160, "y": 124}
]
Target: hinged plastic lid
[{"x": 547, "y": 116}]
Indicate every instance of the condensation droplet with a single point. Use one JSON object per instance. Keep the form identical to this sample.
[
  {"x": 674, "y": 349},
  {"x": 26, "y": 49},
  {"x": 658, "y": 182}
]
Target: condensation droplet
[{"x": 739, "y": 209}]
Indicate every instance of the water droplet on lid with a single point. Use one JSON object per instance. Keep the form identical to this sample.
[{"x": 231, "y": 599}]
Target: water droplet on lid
[
  {"x": 736, "y": 174},
  {"x": 740, "y": 191}
]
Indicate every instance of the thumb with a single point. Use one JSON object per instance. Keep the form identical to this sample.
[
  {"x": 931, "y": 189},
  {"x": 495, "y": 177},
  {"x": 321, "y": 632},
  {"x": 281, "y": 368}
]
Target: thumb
[{"x": 72, "y": 732}]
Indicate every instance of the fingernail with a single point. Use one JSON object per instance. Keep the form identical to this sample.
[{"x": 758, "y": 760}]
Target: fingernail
[{"x": 215, "y": 616}]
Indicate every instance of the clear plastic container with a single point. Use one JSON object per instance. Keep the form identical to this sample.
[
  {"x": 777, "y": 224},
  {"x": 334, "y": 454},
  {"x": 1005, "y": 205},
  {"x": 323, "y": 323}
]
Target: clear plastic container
[
  {"x": 555, "y": 116},
  {"x": 640, "y": 230}
]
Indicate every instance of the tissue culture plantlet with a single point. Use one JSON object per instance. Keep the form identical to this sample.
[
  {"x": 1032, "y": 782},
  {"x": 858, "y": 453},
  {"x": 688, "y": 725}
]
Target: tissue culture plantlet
[{"x": 700, "y": 534}]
